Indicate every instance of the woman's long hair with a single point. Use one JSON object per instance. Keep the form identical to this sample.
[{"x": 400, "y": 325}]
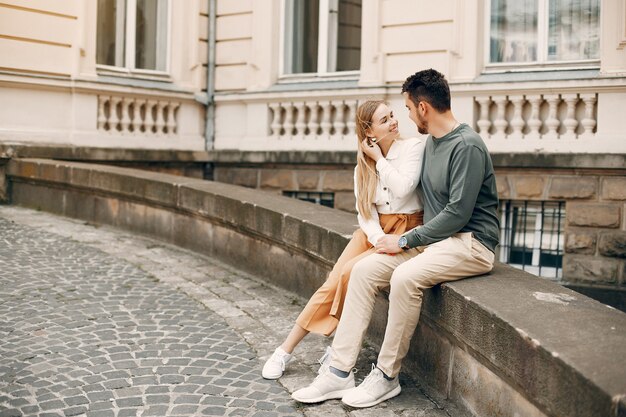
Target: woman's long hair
[{"x": 366, "y": 178}]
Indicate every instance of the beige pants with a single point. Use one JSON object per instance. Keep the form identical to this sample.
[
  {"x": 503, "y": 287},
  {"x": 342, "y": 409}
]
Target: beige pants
[
  {"x": 323, "y": 311},
  {"x": 407, "y": 273}
]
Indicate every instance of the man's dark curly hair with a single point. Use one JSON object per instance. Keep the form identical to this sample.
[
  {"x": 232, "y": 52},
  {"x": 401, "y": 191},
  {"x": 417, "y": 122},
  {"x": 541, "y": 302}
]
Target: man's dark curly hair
[{"x": 430, "y": 86}]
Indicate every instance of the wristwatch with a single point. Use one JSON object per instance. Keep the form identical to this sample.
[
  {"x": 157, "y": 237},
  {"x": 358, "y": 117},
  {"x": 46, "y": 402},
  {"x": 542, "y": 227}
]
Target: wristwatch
[{"x": 402, "y": 242}]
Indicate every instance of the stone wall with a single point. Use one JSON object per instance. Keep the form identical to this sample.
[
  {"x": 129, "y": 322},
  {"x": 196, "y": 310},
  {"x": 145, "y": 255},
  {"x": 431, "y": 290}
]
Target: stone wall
[
  {"x": 505, "y": 344},
  {"x": 593, "y": 188}
]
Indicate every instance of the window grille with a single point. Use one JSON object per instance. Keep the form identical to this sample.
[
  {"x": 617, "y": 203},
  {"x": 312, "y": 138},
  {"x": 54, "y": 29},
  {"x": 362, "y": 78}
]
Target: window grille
[
  {"x": 324, "y": 199},
  {"x": 532, "y": 237}
]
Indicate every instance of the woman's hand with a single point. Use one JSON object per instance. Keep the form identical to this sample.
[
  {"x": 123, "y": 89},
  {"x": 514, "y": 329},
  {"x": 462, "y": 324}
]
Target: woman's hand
[{"x": 372, "y": 150}]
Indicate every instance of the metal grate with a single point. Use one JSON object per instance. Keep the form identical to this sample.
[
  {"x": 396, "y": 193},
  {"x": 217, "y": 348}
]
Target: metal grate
[
  {"x": 532, "y": 236},
  {"x": 325, "y": 199}
]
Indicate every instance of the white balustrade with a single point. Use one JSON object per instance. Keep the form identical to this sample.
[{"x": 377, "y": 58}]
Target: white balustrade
[
  {"x": 137, "y": 115},
  {"x": 330, "y": 118},
  {"x": 538, "y": 116}
]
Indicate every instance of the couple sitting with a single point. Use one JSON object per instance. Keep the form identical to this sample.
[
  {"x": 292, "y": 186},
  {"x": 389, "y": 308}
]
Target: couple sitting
[{"x": 398, "y": 245}]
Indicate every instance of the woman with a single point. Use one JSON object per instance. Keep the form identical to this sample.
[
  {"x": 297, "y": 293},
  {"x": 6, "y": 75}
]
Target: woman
[{"x": 385, "y": 178}]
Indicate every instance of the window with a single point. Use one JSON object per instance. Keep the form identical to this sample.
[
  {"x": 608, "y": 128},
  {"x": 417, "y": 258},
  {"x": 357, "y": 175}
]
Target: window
[
  {"x": 324, "y": 199},
  {"x": 132, "y": 34},
  {"x": 322, "y": 36},
  {"x": 532, "y": 236},
  {"x": 544, "y": 31}
]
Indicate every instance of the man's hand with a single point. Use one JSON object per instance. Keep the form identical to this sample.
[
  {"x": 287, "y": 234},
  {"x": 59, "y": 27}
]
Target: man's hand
[{"x": 388, "y": 244}]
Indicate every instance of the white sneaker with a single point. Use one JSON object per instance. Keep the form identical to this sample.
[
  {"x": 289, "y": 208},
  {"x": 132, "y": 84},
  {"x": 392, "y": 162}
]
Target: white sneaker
[
  {"x": 275, "y": 365},
  {"x": 373, "y": 390},
  {"x": 326, "y": 386},
  {"x": 324, "y": 361}
]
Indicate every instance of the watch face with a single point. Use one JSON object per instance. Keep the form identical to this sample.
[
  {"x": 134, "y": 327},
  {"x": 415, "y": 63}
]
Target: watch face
[{"x": 402, "y": 242}]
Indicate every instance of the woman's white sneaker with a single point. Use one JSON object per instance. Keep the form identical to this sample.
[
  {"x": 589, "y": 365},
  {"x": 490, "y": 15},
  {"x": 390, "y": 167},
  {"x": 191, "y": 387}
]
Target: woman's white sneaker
[
  {"x": 374, "y": 389},
  {"x": 275, "y": 365},
  {"x": 326, "y": 386}
]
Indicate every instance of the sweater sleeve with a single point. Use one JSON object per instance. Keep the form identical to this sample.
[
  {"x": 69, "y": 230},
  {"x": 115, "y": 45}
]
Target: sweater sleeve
[
  {"x": 403, "y": 179},
  {"x": 466, "y": 177},
  {"x": 371, "y": 227}
]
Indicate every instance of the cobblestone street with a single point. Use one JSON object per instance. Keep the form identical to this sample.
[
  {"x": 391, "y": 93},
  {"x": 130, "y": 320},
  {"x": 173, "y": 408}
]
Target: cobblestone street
[{"x": 98, "y": 322}]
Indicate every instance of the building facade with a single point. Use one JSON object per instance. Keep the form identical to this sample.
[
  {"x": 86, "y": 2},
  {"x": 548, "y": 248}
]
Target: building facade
[
  {"x": 270, "y": 87},
  {"x": 107, "y": 73}
]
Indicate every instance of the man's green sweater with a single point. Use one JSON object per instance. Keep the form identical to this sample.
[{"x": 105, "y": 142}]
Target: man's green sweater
[{"x": 458, "y": 190}]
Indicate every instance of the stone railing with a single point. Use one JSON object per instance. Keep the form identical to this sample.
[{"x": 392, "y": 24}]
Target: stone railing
[
  {"x": 537, "y": 116},
  {"x": 525, "y": 113},
  {"x": 327, "y": 118},
  {"x": 506, "y": 344},
  {"x": 318, "y": 119},
  {"x": 137, "y": 115}
]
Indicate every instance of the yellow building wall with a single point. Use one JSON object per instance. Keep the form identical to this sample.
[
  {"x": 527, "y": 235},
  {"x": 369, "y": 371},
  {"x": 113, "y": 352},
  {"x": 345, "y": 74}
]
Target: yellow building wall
[{"x": 38, "y": 36}]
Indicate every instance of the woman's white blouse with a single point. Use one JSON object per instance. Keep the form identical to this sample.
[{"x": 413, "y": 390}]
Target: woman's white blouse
[{"x": 398, "y": 175}]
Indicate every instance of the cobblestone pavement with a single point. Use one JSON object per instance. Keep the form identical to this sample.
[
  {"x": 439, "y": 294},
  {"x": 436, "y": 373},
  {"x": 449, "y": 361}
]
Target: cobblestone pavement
[{"x": 99, "y": 322}]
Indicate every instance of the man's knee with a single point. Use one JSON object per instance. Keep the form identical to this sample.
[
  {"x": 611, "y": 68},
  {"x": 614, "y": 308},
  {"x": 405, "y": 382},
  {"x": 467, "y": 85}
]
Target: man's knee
[{"x": 405, "y": 278}]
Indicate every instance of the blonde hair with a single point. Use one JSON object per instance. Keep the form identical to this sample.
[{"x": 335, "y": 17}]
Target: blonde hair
[{"x": 366, "y": 177}]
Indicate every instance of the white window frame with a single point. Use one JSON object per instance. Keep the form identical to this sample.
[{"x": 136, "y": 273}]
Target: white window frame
[
  {"x": 542, "y": 63},
  {"x": 129, "y": 47},
  {"x": 327, "y": 37}
]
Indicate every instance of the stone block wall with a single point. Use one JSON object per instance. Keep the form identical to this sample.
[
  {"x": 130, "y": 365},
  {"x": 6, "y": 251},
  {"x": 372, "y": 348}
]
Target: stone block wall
[
  {"x": 325, "y": 178},
  {"x": 593, "y": 188},
  {"x": 594, "y": 261}
]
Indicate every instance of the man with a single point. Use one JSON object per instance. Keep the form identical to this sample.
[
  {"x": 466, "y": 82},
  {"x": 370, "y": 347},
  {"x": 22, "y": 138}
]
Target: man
[{"x": 457, "y": 240}]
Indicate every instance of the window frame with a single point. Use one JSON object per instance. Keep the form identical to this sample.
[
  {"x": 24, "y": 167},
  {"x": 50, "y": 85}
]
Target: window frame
[
  {"x": 129, "y": 36},
  {"x": 324, "y": 55},
  {"x": 542, "y": 63}
]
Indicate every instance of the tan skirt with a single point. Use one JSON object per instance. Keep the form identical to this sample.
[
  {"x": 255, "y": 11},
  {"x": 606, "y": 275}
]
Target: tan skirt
[{"x": 322, "y": 312}]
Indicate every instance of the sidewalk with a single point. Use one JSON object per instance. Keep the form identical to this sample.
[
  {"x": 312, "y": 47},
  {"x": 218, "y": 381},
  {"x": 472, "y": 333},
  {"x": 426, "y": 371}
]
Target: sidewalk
[{"x": 99, "y": 322}]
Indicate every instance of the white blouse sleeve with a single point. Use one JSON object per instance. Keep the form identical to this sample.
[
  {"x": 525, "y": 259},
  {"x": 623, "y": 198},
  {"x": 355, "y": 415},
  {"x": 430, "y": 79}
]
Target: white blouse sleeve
[
  {"x": 403, "y": 180},
  {"x": 371, "y": 227}
]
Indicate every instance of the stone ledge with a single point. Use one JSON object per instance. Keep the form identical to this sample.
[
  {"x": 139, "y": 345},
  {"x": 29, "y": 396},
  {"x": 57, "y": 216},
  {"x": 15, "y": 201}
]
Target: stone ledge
[
  {"x": 500, "y": 160},
  {"x": 505, "y": 344},
  {"x": 80, "y": 153}
]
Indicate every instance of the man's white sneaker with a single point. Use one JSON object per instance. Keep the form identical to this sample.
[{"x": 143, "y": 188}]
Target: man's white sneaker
[
  {"x": 373, "y": 390},
  {"x": 326, "y": 386},
  {"x": 275, "y": 365}
]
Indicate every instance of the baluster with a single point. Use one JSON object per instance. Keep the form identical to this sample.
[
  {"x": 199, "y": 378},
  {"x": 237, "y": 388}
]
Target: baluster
[
  {"x": 500, "y": 123},
  {"x": 132, "y": 116},
  {"x": 172, "y": 125},
  {"x": 125, "y": 121},
  {"x": 552, "y": 122},
  {"x": 534, "y": 122},
  {"x": 570, "y": 121},
  {"x": 102, "y": 119},
  {"x": 588, "y": 122},
  {"x": 160, "y": 121},
  {"x": 288, "y": 124},
  {"x": 484, "y": 124},
  {"x": 326, "y": 124},
  {"x": 351, "y": 122},
  {"x": 301, "y": 119},
  {"x": 114, "y": 118},
  {"x": 139, "y": 120},
  {"x": 314, "y": 122},
  {"x": 517, "y": 122},
  {"x": 340, "y": 118},
  {"x": 150, "y": 117},
  {"x": 275, "y": 125}
]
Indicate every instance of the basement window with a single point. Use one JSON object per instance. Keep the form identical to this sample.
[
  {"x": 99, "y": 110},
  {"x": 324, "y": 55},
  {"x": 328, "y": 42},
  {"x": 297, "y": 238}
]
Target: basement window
[
  {"x": 324, "y": 199},
  {"x": 531, "y": 236}
]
